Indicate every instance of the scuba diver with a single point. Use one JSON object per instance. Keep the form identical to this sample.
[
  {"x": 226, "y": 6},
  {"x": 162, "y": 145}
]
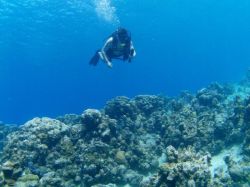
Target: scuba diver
[{"x": 117, "y": 46}]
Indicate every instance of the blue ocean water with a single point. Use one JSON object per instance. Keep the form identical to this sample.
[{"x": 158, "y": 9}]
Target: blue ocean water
[{"x": 45, "y": 47}]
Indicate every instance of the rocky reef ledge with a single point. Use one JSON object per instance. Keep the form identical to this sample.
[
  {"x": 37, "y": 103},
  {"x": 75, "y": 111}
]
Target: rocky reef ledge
[
  {"x": 200, "y": 139},
  {"x": 5, "y": 129}
]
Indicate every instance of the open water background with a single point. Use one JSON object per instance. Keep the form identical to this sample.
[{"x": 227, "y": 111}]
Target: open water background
[{"x": 45, "y": 46}]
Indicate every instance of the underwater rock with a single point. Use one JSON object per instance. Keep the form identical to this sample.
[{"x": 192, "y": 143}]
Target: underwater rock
[
  {"x": 120, "y": 157},
  {"x": 5, "y": 129},
  {"x": 105, "y": 185},
  {"x": 1, "y": 179},
  {"x": 133, "y": 178},
  {"x": 247, "y": 113},
  {"x": 147, "y": 104},
  {"x": 190, "y": 169},
  {"x": 146, "y": 141},
  {"x": 230, "y": 168},
  {"x": 7, "y": 169},
  {"x": 51, "y": 179},
  {"x": 31, "y": 145},
  {"x": 92, "y": 118},
  {"x": 99, "y": 125},
  {"x": 28, "y": 180},
  {"x": 236, "y": 173},
  {"x": 121, "y": 107},
  {"x": 206, "y": 99},
  {"x": 239, "y": 172},
  {"x": 172, "y": 154},
  {"x": 71, "y": 119},
  {"x": 246, "y": 144},
  {"x": 213, "y": 95},
  {"x": 34, "y": 139},
  {"x": 10, "y": 172}
]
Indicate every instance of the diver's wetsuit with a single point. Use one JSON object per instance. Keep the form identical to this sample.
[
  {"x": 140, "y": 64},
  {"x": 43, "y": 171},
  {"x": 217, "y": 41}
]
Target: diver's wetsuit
[
  {"x": 117, "y": 51},
  {"x": 114, "y": 49}
]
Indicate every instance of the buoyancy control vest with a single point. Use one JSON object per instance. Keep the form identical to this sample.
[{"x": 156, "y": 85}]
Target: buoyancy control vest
[{"x": 120, "y": 47}]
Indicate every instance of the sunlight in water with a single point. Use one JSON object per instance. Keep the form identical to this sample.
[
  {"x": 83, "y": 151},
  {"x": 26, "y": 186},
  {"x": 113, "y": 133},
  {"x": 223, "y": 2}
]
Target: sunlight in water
[{"x": 106, "y": 11}]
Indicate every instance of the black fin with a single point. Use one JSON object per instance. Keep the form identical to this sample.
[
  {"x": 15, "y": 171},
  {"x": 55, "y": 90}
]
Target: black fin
[{"x": 94, "y": 60}]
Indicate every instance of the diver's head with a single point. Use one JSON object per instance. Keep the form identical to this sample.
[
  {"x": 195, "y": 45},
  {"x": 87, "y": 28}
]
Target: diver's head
[{"x": 123, "y": 35}]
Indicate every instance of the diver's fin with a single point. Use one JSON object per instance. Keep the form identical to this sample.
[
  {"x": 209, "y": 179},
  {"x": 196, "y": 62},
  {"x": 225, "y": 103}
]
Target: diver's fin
[{"x": 94, "y": 60}]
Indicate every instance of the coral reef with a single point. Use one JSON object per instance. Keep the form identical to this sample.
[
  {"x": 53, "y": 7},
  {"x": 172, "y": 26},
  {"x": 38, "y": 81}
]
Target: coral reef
[
  {"x": 147, "y": 141},
  {"x": 5, "y": 129},
  {"x": 184, "y": 167}
]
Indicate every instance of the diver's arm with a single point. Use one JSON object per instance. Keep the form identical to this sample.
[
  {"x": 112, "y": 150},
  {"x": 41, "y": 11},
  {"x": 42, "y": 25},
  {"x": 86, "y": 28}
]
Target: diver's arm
[
  {"x": 105, "y": 48},
  {"x": 132, "y": 50}
]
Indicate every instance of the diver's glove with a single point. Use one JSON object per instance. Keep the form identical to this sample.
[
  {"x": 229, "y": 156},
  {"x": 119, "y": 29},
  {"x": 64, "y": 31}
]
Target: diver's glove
[
  {"x": 131, "y": 55},
  {"x": 105, "y": 59},
  {"x": 109, "y": 64}
]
